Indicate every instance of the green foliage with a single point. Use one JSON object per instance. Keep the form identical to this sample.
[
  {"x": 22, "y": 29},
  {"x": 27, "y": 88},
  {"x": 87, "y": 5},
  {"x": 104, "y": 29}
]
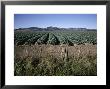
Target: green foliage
[
  {"x": 51, "y": 66},
  {"x": 55, "y": 37},
  {"x": 25, "y": 37},
  {"x": 33, "y": 39},
  {"x": 77, "y": 37},
  {"x": 43, "y": 39},
  {"x": 64, "y": 40}
]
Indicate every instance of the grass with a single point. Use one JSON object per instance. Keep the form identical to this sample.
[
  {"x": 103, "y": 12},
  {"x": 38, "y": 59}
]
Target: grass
[{"x": 52, "y": 65}]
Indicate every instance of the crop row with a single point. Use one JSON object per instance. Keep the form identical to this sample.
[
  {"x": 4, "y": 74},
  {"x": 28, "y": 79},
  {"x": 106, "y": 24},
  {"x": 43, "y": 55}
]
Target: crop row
[{"x": 55, "y": 38}]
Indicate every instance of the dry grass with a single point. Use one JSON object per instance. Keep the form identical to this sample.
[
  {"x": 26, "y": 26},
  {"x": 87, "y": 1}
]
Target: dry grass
[{"x": 57, "y": 60}]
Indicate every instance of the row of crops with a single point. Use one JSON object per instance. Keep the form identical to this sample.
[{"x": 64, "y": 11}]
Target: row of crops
[{"x": 55, "y": 38}]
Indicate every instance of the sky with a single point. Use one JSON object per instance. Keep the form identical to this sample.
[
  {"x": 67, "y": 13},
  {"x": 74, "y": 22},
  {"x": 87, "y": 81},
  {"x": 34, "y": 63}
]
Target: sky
[{"x": 55, "y": 20}]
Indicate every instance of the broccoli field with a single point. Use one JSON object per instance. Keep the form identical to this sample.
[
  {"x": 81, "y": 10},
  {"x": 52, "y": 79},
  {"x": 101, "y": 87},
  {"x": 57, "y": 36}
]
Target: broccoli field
[
  {"x": 55, "y": 38},
  {"x": 55, "y": 53}
]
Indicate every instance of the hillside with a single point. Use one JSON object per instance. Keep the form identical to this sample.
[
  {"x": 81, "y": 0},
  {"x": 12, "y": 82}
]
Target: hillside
[{"x": 54, "y": 29}]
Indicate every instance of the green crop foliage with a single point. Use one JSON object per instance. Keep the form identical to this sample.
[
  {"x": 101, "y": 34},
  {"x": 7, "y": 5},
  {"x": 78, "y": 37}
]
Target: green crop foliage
[
  {"x": 43, "y": 39},
  {"x": 55, "y": 37}
]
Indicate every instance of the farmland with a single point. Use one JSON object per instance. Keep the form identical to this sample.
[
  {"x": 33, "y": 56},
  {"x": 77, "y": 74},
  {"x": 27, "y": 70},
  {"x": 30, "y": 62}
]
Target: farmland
[
  {"x": 55, "y": 53},
  {"x": 55, "y": 38}
]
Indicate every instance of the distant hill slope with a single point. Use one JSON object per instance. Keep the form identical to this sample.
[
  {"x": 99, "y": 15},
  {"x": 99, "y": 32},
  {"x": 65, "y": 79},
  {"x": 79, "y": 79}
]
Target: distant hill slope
[{"x": 53, "y": 29}]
